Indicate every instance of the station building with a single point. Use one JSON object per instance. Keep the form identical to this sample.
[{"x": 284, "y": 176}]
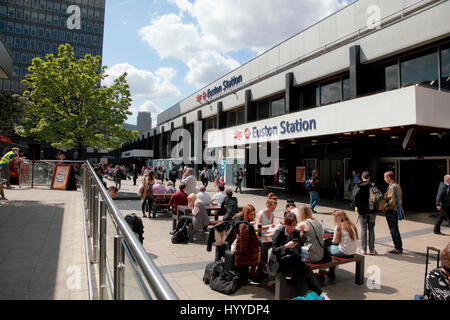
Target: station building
[{"x": 367, "y": 88}]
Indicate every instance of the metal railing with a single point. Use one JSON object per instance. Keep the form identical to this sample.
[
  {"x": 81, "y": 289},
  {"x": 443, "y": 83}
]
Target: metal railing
[{"x": 125, "y": 270}]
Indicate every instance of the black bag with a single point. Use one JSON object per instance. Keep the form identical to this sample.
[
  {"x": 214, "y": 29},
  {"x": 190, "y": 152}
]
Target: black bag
[
  {"x": 209, "y": 270},
  {"x": 136, "y": 225},
  {"x": 181, "y": 235},
  {"x": 273, "y": 265},
  {"x": 226, "y": 282}
]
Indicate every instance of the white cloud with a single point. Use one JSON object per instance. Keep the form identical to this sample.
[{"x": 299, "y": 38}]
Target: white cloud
[
  {"x": 143, "y": 83},
  {"x": 150, "y": 106},
  {"x": 166, "y": 73},
  {"x": 226, "y": 26}
]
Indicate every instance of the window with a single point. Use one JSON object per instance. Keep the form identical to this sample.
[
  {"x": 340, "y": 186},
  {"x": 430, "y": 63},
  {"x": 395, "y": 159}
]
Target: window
[
  {"x": 9, "y": 41},
  {"x": 2, "y": 25},
  {"x": 48, "y": 20},
  {"x": 82, "y": 37},
  {"x": 47, "y": 47},
  {"x": 16, "y": 71},
  {"x": 41, "y": 18},
  {"x": 19, "y": 14},
  {"x": 262, "y": 110},
  {"x": 41, "y": 32},
  {"x": 17, "y": 43},
  {"x": 18, "y": 28},
  {"x": 240, "y": 114},
  {"x": 75, "y": 37},
  {"x": 30, "y": 58},
  {"x": 16, "y": 57},
  {"x": 40, "y": 46},
  {"x": 89, "y": 27},
  {"x": 33, "y": 31},
  {"x": 62, "y": 36},
  {"x": 311, "y": 96},
  {"x": 34, "y": 17},
  {"x": 2, "y": 11},
  {"x": 26, "y": 15},
  {"x": 43, "y": 4},
  {"x": 346, "y": 88},
  {"x": 25, "y": 43},
  {"x": 11, "y": 13},
  {"x": 24, "y": 58},
  {"x": 391, "y": 77},
  {"x": 10, "y": 27},
  {"x": 32, "y": 44},
  {"x": 445, "y": 69},
  {"x": 422, "y": 70},
  {"x": 48, "y": 34},
  {"x": 88, "y": 40},
  {"x": 69, "y": 36},
  {"x": 277, "y": 107},
  {"x": 55, "y": 35},
  {"x": 56, "y": 21},
  {"x": 26, "y": 30},
  {"x": 330, "y": 92}
]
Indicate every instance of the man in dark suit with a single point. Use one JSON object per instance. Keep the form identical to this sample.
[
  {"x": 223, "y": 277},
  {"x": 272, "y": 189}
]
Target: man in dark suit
[{"x": 443, "y": 203}]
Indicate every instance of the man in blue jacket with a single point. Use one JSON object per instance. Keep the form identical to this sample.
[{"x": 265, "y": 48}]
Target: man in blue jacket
[{"x": 443, "y": 203}]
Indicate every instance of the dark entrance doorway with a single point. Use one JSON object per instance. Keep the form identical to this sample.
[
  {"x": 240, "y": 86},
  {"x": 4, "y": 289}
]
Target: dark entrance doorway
[{"x": 420, "y": 180}]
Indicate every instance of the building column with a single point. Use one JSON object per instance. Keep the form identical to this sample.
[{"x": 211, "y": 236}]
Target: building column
[
  {"x": 356, "y": 73},
  {"x": 155, "y": 153},
  {"x": 161, "y": 140},
  {"x": 221, "y": 120},
  {"x": 248, "y": 107},
  {"x": 289, "y": 93}
]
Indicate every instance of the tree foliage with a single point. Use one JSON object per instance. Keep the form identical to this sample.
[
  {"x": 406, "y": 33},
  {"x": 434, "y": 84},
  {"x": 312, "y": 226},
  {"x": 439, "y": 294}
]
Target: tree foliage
[
  {"x": 70, "y": 109},
  {"x": 11, "y": 111}
]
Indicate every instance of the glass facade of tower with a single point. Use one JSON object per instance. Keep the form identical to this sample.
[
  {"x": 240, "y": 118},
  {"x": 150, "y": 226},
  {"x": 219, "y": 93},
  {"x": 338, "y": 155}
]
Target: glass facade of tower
[{"x": 34, "y": 28}]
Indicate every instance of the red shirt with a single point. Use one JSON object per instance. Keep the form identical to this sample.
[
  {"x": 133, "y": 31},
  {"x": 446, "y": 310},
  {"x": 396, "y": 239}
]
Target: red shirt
[{"x": 178, "y": 199}]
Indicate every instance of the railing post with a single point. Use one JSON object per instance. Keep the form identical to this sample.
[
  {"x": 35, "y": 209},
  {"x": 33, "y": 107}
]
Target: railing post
[
  {"x": 95, "y": 229},
  {"x": 102, "y": 258},
  {"x": 92, "y": 210},
  {"x": 118, "y": 268}
]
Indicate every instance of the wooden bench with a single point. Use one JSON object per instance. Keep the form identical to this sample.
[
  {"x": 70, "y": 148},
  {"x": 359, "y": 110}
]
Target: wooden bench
[{"x": 280, "y": 278}]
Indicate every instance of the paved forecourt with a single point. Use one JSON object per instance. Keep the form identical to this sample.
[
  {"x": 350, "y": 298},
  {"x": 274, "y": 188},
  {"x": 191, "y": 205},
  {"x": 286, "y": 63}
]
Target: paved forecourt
[
  {"x": 42, "y": 253},
  {"x": 399, "y": 277}
]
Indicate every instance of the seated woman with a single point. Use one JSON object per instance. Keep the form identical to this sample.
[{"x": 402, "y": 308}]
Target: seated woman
[
  {"x": 171, "y": 187},
  {"x": 266, "y": 216},
  {"x": 247, "y": 248},
  {"x": 311, "y": 231},
  {"x": 344, "y": 240},
  {"x": 159, "y": 187},
  {"x": 199, "y": 217},
  {"x": 437, "y": 282},
  {"x": 231, "y": 203},
  {"x": 286, "y": 256}
]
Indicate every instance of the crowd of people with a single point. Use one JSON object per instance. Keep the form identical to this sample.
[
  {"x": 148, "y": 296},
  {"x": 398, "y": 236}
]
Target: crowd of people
[{"x": 298, "y": 238}]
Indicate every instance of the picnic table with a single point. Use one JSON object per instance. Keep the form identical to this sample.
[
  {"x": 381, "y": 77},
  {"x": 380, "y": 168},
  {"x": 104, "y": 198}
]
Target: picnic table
[
  {"x": 160, "y": 201},
  {"x": 212, "y": 210}
]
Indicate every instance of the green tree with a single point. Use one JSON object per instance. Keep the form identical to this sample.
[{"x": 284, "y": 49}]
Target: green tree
[
  {"x": 70, "y": 109},
  {"x": 11, "y": 111}
]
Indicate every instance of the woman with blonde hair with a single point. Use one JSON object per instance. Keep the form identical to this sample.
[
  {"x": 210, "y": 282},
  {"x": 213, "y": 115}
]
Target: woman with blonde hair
[
  {"x": 311, "y": 231},
  {"x": 199, "y": 218},
  {"x": 344, "y": 240},
  {"x": 345, "y": 235},
  {"x": 147, "y": 192},
  {"x": 248, "y": 213}
]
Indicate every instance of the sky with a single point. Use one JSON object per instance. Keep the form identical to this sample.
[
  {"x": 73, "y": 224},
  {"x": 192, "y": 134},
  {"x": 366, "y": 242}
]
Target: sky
[{"x": 172, "y": 48}]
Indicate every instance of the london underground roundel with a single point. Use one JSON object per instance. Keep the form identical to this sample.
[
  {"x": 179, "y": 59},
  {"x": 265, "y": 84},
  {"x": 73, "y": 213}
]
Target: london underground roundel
[{"x": 247, "y": 133}]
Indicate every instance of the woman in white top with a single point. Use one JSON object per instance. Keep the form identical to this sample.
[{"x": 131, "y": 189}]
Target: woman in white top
[
  {"x": 345, "y": 235},
  {"x": 266, "y": 216},
  {"x": 344, "y": 240}
]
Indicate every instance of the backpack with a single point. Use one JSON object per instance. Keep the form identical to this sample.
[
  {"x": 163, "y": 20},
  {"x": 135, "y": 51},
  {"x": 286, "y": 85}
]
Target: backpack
[
  {"x": 181, "y": 235},
  {"x": 308, "y": 185},
  {"x": 209, "y": 270},
  {"x": 375, "y": 198},
  {"x": 136, "y": 225},
  {"x": 360, "y": 199}
]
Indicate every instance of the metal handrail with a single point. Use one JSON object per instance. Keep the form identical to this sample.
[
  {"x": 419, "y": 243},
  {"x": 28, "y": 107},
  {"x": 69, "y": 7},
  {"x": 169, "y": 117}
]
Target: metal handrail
[{"x": 154, "y": 277}]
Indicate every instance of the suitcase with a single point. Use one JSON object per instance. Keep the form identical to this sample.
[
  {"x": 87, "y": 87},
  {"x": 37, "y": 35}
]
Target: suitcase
[{"x": 438, "y": 255}]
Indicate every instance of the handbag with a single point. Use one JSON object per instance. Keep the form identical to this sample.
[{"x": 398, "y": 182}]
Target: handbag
[
  {"x": 226, "y": 282},
  {"x": 400, "y": 211}
]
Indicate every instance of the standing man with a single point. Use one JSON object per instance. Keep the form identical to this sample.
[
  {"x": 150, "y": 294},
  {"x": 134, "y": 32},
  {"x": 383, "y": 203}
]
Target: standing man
[
  {"x": 366, "y": 215},
  {"x": 12, "y": 155},
  {"x": 173, "y": 175},
  {"x": 391, "y": 208},
  {"x": 239, "y": 178},
  {"x": 443, "y": 204},
  {"x": 204, "y": 177},
  {"x": 314, "y": 190},
  {"x": 189, "y": 181},
  {"x": 339, "y": 185},
  {"x": 134, "y": 173}
]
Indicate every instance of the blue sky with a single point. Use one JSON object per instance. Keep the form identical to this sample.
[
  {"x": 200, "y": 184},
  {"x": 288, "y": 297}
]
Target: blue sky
[{"x": 172, "y": 48}]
